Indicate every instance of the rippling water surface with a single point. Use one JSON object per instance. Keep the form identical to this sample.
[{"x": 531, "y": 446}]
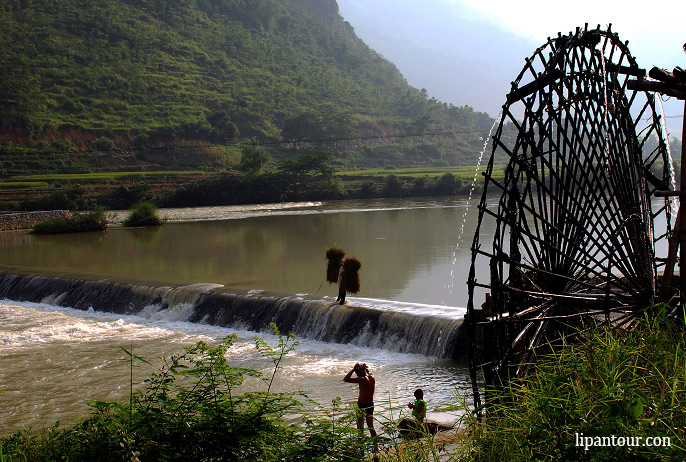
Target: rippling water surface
[{"x": 53, "y": 360}]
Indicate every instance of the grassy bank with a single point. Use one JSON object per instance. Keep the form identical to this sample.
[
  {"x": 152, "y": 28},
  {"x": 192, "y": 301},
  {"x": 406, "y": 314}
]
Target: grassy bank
[{"x": 616, "y": 396}]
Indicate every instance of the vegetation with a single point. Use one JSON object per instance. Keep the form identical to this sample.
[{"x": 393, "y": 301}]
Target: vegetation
[
  {"x": 621, "y": 383},
  {"x": 190, "y": 410},
  {"x": 143, "y": 214},
  {"x": 76, "y": 223},
  {"x": 306, "y": 177},
  {"x": 124, "y": 84}
]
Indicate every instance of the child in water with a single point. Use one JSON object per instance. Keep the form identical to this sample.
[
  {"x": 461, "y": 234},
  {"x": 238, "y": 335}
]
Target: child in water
[{"x": 419, "y": 405}]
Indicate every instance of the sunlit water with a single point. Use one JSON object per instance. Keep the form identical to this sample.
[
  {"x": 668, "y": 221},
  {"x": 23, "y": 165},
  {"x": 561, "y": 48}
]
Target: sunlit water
[
  {"x": 406, "y": 248},
  {"x": 54, "y": 360}
]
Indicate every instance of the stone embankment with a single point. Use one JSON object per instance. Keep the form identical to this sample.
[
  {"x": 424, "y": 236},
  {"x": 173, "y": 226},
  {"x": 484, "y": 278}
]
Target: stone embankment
[{"x": 25, "y": 220}]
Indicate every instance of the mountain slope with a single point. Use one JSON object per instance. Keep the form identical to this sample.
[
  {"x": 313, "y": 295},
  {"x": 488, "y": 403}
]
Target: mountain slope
[
  {"x": 457, "y": 53},
  {"x": 150, "y": 72}
]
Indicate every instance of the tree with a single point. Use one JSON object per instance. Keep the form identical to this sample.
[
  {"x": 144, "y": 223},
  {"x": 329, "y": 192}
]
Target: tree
[
  {"x": 253, "y": 159},
  {"x": 303, "y": 126},
  {"x": 312, "y": 163},
  {"x": 307, "y": 169},
  {"x": 102, "y": 144},
  {"x": 223, "y": 126}
]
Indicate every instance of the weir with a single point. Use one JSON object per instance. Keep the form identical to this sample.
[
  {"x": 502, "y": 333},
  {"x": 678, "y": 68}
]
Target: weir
[{"x": 406, "y": 331}]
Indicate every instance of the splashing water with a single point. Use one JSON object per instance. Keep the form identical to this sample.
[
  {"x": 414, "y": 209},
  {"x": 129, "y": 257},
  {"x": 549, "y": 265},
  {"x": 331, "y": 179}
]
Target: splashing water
[
  {"x": 451, "y": 284},
  {"x": 665, "y": 135}
]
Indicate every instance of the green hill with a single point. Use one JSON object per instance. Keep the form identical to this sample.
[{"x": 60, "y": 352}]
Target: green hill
[{"x": 141, "y": 74}]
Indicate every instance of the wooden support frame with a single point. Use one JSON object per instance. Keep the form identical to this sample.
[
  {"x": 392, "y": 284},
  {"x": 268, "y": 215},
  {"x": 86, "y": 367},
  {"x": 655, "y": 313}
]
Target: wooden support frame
[{"x": 572, "y": 223}]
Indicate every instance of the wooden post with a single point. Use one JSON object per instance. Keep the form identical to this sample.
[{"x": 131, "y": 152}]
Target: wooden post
[{"x": 682, "y": 216}]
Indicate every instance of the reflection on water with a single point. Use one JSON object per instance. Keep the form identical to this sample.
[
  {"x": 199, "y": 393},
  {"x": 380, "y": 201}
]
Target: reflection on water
[
  {"x": 53, "y": 360},
  {"x": 405, "y": 246}
]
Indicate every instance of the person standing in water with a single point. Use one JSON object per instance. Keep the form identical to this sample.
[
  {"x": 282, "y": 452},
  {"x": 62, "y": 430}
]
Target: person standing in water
[
  {"x": 334, "y": 270},
  {"x": 341, "y": 290},
  {"x": 365, "y": 399}
]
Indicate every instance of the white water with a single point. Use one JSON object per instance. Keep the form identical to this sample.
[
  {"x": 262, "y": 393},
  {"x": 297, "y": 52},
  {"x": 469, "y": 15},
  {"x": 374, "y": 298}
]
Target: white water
[
  {"x": 460, "y": 236},
  {"x": 54, "y": 360},
  {"x": 665, "y": 136}
]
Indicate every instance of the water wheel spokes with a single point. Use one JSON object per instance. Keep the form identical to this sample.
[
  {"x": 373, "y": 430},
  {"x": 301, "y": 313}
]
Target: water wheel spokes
[{"x": 573, "y": 217}]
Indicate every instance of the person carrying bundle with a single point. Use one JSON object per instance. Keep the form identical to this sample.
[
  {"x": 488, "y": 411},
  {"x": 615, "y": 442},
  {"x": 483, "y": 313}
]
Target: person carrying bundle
[
  {"x": 343, "y": 272},
  {"x": 334, "y": 270}
]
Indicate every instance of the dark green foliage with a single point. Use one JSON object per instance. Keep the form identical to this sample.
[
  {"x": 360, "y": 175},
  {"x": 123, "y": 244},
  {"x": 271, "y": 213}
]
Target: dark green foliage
[
  {"x": 310, "y": 174},
  {"x": 227, "y": 189},
  {"x": 307, "y": 177},
  {"x": 71, "y": 198},
  {"x": 103, "y": 144},
  {"x": 368, "y": 189},
  {"x": 253, "y": 159},
  {"x": 143, "y": 214},
  {"x": 395, "y": 187},
  {"x": 626, "y": 383},
  {"x": 125, "y": 196},
  {"x": 331, "y": 124},
  {"x": 78, "y": 222},
  {"x": 224, "y": 128}
]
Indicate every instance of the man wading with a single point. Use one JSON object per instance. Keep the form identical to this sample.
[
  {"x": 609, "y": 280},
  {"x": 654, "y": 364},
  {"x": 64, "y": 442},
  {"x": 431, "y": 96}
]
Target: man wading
[{"x": 365, "y": 400}]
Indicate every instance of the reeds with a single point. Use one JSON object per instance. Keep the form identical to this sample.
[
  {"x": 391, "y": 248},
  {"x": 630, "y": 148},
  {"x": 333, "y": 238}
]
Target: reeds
[{"x": 621, "y": 383}]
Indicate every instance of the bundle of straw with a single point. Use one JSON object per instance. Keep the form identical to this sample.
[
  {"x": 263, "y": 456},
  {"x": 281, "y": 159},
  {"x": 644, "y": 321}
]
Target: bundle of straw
[
  {"x": 335, "y": 257},
  {"x": 350, "y": 280}
]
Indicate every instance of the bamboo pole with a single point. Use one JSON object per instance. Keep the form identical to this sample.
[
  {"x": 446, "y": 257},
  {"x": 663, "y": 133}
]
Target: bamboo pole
[{"x": 682, "y": 216}]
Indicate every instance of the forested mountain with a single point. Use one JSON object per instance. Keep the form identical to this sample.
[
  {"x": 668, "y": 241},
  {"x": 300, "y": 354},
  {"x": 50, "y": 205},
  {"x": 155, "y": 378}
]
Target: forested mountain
[{"x": 137, "y": 75}]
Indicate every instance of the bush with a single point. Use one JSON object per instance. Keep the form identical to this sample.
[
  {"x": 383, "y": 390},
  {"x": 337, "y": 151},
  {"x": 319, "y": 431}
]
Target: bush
[
  {"x": 395, "y": 187},
  {"x": 253, "y": 159},
  {"x": 125, "y": 196},
  {"x": 143, "y": 214},
  {"x": 621, "y": 383},
  {"x": 73, "y": 198},
  {"x": 102, "y": 144},
  {"x": 79, "y": 222},
  {"x": 368, "y": 189}
]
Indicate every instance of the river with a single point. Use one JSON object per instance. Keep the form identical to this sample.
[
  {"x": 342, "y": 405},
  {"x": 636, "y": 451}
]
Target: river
[{"x": 415, "y": 257}]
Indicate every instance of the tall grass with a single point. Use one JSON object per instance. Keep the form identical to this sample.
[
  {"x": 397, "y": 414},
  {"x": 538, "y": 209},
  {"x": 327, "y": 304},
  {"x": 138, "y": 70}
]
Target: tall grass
[
  {"x": 621, "y": 383},
  {"x": 614, "y": 383},
  {"x": 143, "y": 214},
  {"x": 189, "y": 410}
]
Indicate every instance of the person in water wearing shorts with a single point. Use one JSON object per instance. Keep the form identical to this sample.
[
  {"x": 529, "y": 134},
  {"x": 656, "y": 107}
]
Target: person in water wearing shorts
[{"x": 365, "y": 400}]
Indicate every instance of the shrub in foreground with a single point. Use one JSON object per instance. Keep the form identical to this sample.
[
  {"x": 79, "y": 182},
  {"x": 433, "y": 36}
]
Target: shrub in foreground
[
  {"x": 616, "y": 383},
  {"x": 76, "y": 223}
]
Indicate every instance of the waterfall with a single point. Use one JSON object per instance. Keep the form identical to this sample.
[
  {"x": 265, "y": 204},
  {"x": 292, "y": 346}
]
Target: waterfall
[{"x": 406, "y": 331}]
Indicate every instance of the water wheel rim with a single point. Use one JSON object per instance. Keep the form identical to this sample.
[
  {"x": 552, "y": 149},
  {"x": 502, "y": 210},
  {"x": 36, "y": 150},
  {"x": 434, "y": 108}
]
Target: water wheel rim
[{"x": 573, "y": 218}]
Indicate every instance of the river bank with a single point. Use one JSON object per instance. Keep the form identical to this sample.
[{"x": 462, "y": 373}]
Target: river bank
[{"x": 12, "y": 221}]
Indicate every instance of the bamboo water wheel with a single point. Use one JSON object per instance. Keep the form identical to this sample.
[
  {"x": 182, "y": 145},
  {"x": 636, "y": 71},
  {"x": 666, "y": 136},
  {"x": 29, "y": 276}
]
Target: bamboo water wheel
[{"x": 574, "y": 220}]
